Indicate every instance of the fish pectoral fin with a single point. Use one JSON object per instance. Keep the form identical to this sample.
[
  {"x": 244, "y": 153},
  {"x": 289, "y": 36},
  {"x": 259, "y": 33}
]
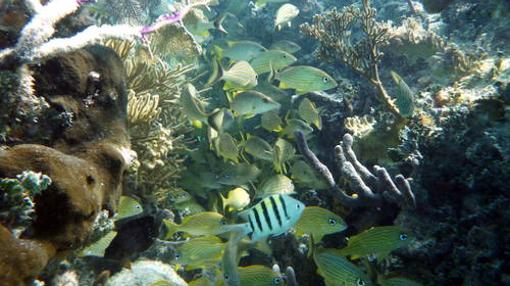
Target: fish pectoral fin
[{"x": 283, "y": 85}]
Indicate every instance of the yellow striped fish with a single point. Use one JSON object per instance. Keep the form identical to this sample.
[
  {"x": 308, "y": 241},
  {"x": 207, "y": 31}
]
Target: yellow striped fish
[
  {"x": 377, "y": 242},
  {"x": 240, "y": 76},
  {"x": 337, "y": 270},
  {"x": 305, "y": 79},
  {"x": 259, "y": 275},
  {"x": 275, "y": 59},
  {"x": 251, "y": 103},
  {"x": 272, "y": 216},
  {"x": 277, "y": 184},
  {"x": 319, "y": 222},
  {"x": 287, "y": 46},
  {"x": 404, "y": 96},
  {"x": 258, "y": 148},
  {"x": 192, "y": 105},
  {"x": 199, "y": 252}
]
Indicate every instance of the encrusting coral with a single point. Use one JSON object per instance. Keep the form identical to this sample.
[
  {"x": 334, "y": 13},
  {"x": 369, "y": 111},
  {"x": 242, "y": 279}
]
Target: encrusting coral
[
  {"x": 368, "y": 189},
  {"x": 17, "y": 198},
  {"x": 334, "y": 31}
]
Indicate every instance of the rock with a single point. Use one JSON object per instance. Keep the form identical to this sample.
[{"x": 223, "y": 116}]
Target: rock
[
  {"x": 145, "y": 273},
  {"x": 86, "y": 157},
  {"x": 21, "y": 259}
]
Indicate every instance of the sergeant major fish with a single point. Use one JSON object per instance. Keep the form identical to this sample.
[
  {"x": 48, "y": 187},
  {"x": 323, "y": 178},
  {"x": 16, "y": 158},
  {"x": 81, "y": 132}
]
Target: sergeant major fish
[{"x": 272, "y": 216}]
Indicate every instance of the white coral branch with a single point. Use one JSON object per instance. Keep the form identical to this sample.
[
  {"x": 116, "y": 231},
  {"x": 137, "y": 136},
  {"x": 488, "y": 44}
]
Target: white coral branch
[{"x": 89, "y": 36}]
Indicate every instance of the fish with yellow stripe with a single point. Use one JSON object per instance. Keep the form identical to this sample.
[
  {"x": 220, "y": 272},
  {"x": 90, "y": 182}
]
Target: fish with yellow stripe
[
  {"x": 240, "y": 76},
  {"x": 376, "y": 242},
  {"x": 272, "y": 216},
  {"x": 303, "y": 79},
  {"x": 337, "y": 270}
]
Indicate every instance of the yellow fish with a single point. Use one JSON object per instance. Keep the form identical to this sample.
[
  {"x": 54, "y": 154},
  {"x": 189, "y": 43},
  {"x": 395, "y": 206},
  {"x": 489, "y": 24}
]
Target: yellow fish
[
  {"x": 238, "y": 174},
  {"x": 258, "y": 148},
  {"x": 283, "y": 152},
  {"x": 309, "y": 113},
  {"x": 237, "y": 199},
  {"x": 98, "y": 248},
  {"x": 271, "y": 121},
  {"x": 287, "y": 46},
  {"x": 240, "y": 76},
  {"x": 319, "y": 222},
  {"x": 226, "y": 147},
  {"x": 337, "y": 270},
  {"x": 199, "y": 252},
  {"x": 304, "y": 79},
  {"x": 404, "y": 96},
  {"x": 193, "y": 107},
  {"x": 127, "y": 207},
  {"x": 259, "y": 275},
  {"x": 294, "y": 125},
  {"x": 251, "y": 103},
  {"x": 303, "y": 174},
  {"x": 204, "y": 223},
  {"x": 377, "y": 242},
  {"x": 277, "y": 184},
  {"x": 276, "y": 59}
]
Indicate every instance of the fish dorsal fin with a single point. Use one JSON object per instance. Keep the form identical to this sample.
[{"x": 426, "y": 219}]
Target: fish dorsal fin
[{"x": 217, "y": 72}]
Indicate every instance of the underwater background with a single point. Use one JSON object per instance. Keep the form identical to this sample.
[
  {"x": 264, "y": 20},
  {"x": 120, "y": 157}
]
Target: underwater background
[{"x": 264, "y": 142}]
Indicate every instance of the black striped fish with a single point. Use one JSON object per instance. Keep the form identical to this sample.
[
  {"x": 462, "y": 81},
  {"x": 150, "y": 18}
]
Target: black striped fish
[{"x": 273, "y": 216}]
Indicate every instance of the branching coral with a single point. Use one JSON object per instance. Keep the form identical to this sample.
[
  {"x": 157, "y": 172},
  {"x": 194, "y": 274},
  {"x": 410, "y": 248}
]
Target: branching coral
[
  {"x": 335, "y": 32},
  {"x": 36, "y": 43},
  {"x": 368, "y": 189},
  {"x": 153, "y": 113}
]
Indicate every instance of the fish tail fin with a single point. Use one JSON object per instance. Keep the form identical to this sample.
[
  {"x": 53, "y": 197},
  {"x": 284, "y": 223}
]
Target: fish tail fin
[
  {"x": 223, "y": 201},
  {"x": 272, "y": 73},
  {"x": 171, "y": 228},
  {"x": 216, "y": 74},
  {"x": 218, "y": 23}
]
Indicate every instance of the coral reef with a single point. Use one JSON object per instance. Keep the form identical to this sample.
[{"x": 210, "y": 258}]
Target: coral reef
[
  {"x": 367, "y": 188},
  {"x": 87, "y": 157},
  {"x": 17, "y": 198},
  {"x": 22, "y": 259},
  {"x": 333, "y": 30}
]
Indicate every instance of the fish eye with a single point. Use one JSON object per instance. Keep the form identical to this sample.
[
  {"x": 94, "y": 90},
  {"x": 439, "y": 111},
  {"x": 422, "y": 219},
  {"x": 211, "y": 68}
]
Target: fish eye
[
  {"x": 223, "y": 222},
  {"x": 277, "y": 281},
  {"x": 226, "y": 277},
  {"x": 256, "y": 76},
  {"x": 177, "y": 256},
  {"x": 360, "y": 282},
  {"x": 332, "y": 221},
  {"x": 403, "y": 236},
  {"x": 284, "y": 56},
  {"x": 298, "y": 206},
  {"x": 325, "y": 79}
]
